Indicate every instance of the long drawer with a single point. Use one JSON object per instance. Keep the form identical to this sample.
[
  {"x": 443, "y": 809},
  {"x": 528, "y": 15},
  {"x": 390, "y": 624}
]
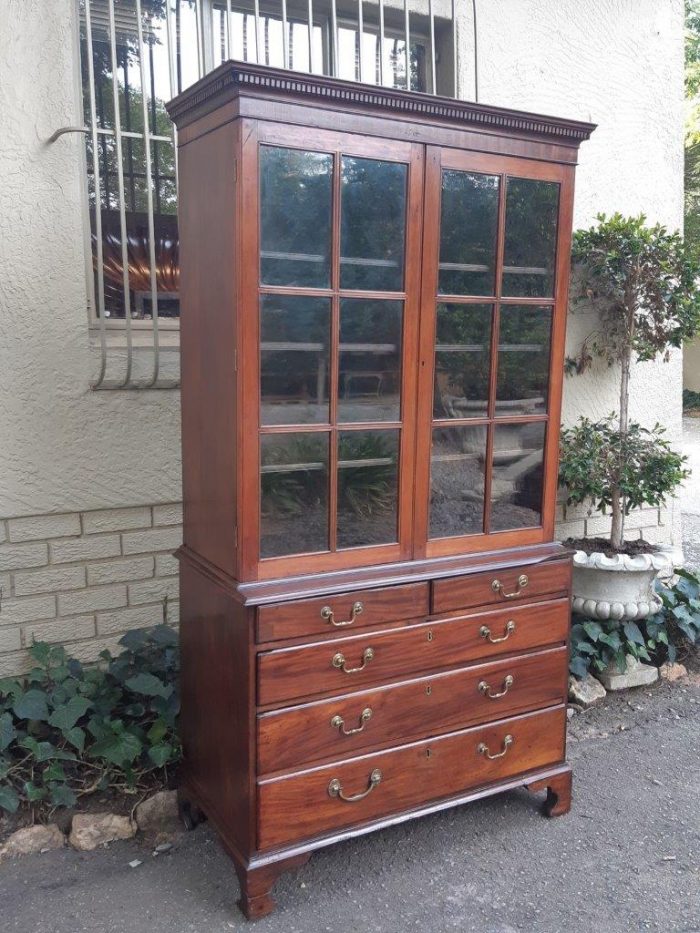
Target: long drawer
[
  {"x": 414, "y": 709},
  {"x": 306, "y": 804},
  {"x": 377, "y": 658},
  {"x": 502, "y": 586},
  {"x": 341, "y": 611}
]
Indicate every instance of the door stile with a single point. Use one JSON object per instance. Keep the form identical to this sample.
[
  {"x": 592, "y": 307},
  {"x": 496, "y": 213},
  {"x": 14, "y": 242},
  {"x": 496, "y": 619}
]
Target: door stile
[
  {"x": 429, "y": 285},
  {"x": 495, "y": 336},
  {"x": 557, "y": 351},
  {"x": 410, "y": 351},
  {"x": 248, "y": 356}
]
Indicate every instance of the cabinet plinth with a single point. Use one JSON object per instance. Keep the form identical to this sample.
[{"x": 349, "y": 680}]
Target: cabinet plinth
[{"x": 374, "y": 613}]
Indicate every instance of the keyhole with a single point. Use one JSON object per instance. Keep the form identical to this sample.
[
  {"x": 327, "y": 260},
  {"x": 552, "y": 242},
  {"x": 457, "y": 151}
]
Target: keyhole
[
  {"x": 428, "y": 691},
  {"x": 428, "y": 753},
  {"x": 430, "y": 636}
]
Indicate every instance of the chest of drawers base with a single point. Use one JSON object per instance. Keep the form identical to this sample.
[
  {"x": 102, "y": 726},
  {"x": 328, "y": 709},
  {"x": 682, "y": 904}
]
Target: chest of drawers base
[{"x": 313, "y": 719}]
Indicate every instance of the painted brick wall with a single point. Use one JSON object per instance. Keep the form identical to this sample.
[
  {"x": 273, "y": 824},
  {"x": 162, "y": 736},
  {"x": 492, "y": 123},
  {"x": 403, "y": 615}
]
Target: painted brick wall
[{"x": 82, "y": 579}]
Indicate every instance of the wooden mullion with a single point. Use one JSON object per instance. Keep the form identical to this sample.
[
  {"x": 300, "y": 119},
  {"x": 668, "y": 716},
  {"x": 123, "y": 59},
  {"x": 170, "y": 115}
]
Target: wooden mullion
[
  {"x": 495, "y": 334},
  {"x": 334, "y": 369}
]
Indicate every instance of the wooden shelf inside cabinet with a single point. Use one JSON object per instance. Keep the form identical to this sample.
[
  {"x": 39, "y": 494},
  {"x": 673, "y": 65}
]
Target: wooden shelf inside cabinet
[{"x": 374, "y": 289}]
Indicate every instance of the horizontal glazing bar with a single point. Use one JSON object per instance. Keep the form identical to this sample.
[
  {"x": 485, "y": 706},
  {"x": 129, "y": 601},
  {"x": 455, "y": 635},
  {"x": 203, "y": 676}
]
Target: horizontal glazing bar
[
  {"x": 312, "y": 257},
  {"x": 477, "y": 422},
  {"x": 327, "y": 428},
  {"x": 491, "y": 299},
  {"x": 290, "y": 346},
  {"x": 305, "y": 292}
]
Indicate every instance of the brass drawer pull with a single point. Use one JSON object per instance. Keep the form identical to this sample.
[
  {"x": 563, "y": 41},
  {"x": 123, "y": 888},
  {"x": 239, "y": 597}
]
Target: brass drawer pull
[
  {"x": 339, "y": 661},
  {"x": 483, "y": 749},
  {"x": 523, "y": 581},
  {"x": 485, "y": 632},
  {"x": 327, "y": 614},
  {"x": 337, "y": 722},
  {"x": 486, "y": 688},
  {"x": 335, "y": 788}
]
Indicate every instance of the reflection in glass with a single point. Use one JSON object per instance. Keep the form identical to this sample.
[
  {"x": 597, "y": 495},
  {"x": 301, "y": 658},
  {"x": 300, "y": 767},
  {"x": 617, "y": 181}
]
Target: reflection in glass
[
  {"x": 530, "y": 238},
  {"x": 523, "y": 359},
  {"x": 462, "y": 361},
  {"x": 457, "y": 481},
  {"x": 239, "y": 27},
  {"x": 369, "y": 375},
  {"x": 367, "y": 487},
  {"x": 468, "y": 224},
  {"x": 294, "y": 338},
  {"x": 516, "y": 483},
  {"x": 293, "y": 493},
  {"x": 103, "y": 190},
  {"x": 295, "y": 217},
  {"x": 373, "y": 222}
]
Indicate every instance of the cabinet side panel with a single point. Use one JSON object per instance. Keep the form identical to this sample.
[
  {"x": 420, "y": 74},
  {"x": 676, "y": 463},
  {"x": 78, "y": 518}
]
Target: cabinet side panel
[
  {"x": 207, "y": 193},
  {"x": 217, "y": 711}
]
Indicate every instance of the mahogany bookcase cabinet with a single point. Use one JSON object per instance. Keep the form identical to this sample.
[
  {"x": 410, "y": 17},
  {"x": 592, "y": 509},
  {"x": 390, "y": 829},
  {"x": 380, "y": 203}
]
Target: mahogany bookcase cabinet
[{"x": 374, "y": 611}]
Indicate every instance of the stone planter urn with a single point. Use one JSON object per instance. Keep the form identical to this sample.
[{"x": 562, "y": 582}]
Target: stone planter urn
[{"x": 619, "y": 587}]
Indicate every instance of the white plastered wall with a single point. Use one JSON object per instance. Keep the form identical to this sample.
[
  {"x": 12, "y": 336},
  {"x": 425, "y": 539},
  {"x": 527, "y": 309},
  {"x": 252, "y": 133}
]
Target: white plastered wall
[
  {"x": 62, "y": 446},
  {"x": 617, "y": 63},
  {"x": 66, "y": 449}
]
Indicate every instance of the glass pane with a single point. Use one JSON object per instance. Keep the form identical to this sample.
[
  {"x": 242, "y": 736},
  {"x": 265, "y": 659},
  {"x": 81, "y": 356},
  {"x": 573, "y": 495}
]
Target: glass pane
[
  {"x": 295, "y": 217},
  {"x": 244, "y": 43},
  {"x": 462, "y": 361},
  {"x": 457, "y": 481},
  {"x": 393, "y": 73},
  {"x": 367, "y": 487},
  {"x": 516, "y": 484},
  {"x": 523, "y": 359},
  {"x": 531, "y": 238},
  {"x": 369, "y": 375},
  {"x": 468, "y": 225},
  {"x": 294, "y": 359},
  {"x": 373, "y": 221},
  {"x": 293, "y": 494}
]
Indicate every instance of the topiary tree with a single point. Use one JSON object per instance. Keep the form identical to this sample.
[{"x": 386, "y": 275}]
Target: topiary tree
[{"x": 644, "y": 283}]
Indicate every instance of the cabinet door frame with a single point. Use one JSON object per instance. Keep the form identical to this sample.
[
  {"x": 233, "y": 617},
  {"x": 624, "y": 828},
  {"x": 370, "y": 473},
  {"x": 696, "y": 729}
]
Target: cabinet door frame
[
  {"x": 437, "y": 159},
  {"x": 255, "y": 134}
]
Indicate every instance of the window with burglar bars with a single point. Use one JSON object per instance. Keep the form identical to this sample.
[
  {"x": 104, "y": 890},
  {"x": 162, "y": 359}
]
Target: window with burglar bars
[{"x": 138, "y": 54}]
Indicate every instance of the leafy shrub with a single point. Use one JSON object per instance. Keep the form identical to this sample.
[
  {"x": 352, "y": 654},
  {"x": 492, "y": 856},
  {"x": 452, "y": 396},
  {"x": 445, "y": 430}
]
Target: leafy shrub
[
  {"x": 655, "y": 639},
  {"x": 644, "y": 282},
  {"x": 598, "y": 462},
  {"x": 67, "y": 730}
]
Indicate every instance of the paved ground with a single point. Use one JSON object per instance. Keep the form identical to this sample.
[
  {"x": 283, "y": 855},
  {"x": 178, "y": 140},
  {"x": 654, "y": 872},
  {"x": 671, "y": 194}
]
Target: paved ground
[{"x": 627, "y": 858}]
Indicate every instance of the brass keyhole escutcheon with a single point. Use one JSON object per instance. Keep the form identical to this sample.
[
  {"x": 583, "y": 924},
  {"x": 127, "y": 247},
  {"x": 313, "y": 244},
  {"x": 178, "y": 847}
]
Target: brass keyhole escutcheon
[
  {"x": 430, "y": 636},
  {"x": 428, "y": 690}
]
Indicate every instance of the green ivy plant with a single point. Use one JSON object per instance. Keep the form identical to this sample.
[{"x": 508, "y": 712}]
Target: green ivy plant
[
  {"x": 644, "y": 282},
  {"x": 595, "y": 645},
  {"x": 69, "y": 730}
]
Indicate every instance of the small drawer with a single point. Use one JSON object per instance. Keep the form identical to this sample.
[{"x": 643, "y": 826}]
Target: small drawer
[
  {"x": 353, "y": 792},
  {"x": 399, "y": 713},
  {"x": 503, "y": 586},
  {"x": 342, "y": 612},
  {"x": 375, "y": 658}
]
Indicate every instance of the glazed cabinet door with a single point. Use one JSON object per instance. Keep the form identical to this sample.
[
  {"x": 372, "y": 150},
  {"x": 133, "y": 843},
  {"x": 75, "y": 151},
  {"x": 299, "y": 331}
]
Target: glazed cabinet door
[
  {"x": 329, "y": 325},
  {"x": 495, "y": 277}
]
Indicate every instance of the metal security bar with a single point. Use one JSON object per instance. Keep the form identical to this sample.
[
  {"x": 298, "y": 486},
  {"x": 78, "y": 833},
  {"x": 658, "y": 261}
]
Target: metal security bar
[{"x": 137, "y": 54}]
